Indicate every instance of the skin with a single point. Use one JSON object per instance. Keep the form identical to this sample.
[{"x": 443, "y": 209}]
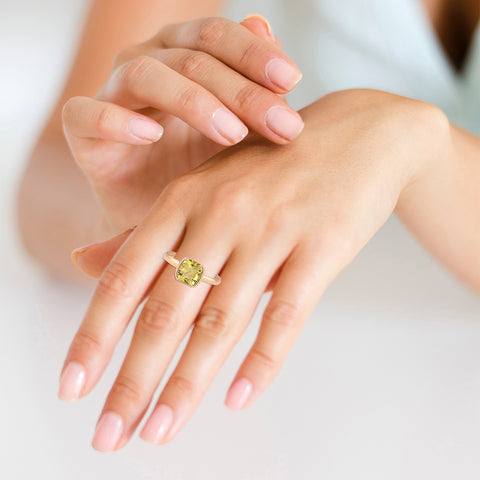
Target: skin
[
  {"x": 126, "y": 171},
  {"x": 321, "y": 209},
  {"x": 53, "y": 186},
  {"x": 379, "y": 154}
]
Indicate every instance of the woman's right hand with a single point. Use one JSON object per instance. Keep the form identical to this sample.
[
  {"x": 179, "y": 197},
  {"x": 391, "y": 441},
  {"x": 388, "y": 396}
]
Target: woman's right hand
[{"x": 199, "y": 84}]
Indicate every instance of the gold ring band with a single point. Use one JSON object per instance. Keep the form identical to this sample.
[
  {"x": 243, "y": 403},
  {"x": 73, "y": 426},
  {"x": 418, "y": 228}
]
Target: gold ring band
[{"x": 189, "y": 271}]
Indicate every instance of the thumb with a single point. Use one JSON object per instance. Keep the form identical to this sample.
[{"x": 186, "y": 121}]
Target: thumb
[
  {"x": 93, "y": 259},
  {"x": 260, "y": 27}
]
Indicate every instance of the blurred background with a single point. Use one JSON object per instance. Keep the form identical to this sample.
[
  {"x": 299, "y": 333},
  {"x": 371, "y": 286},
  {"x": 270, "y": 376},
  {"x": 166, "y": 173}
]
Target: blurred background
[{"x": 383, "y": 382}]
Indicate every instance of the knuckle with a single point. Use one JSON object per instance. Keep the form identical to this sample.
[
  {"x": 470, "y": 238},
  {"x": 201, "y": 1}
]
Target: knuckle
[
  {"x": 248, "y": 96},
  {"x": 232, "y": 197},
  {"x": 86, "y": 342},
  {"x": 177, "y": 189},
  {"x": 266, "y": 360},
  {"x": 193, "y": 63},
  {"x": 210, "y": 32},
  {"x": 213, "y": 321},
  {"x": 187, "y": 98},
  {"x": 280, "y": 218},
  {"x": 116, "y": 281},
  {"x": 136, "y": 71},
  {"x": 283, "y": 313},
  {"x": 103, "y": 119},
  {"x": 248, "y": 54},
  {"x": 158, "y": 317},
  {"x": 127, "y": 388},
  {"x": 182, "y": 384}
]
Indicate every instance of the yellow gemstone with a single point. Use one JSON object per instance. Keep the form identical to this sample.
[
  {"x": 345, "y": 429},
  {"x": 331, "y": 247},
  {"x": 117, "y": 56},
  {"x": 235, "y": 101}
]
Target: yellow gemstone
[{"x": 189, "y": 272}]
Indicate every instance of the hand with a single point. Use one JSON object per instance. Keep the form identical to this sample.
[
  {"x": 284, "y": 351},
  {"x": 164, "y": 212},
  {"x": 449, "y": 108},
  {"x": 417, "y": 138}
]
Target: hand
[
  {"x": 200, "y": 84},
  {"x": 297, "y": 213}
]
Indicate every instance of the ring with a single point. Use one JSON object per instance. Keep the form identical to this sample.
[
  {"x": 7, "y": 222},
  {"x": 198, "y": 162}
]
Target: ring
[{"x": 189, "y": 271}]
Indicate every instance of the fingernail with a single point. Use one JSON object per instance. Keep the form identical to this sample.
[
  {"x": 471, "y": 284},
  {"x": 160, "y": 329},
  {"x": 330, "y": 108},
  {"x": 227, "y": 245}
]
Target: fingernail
[
  {"x": 229, "y": 126},
  {"x": 108, "y": 432},
  {"x": 265, "y": 22},
  {"x": 71, "y": 382},
  {"x": 145, "y": 129},
  {"x": 282, "y": 74},
  {"x": 283, "y": 122},
  {"x": 238, "y": 393},
  {"x": 158, "y": 424},
  {"x": 74, "y": 255}
]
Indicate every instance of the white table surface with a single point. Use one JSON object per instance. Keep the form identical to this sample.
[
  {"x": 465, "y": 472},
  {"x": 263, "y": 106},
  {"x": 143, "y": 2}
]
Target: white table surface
[{"x": 383, "y": 382}]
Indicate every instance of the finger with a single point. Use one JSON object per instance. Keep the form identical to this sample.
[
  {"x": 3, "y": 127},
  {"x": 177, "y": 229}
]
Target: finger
[
  {"x": 147, "y": 82},
  {"x": 236, "y": 46},
  {"x": 218, "y": 327},
  {"x": 258, "y": 107},
  {"x": 295, "y": 295},
  {"x": 260, "y": 27},
  {"x": 85, "y": 118},
  {"x": 93, "y": 259},
  {"x": 119, "y": 291},
  {"x": 164, "y": 321}
]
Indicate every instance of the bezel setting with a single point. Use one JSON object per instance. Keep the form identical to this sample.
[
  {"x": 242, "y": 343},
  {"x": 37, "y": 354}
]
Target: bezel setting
[{"x": 177, "y": 273}]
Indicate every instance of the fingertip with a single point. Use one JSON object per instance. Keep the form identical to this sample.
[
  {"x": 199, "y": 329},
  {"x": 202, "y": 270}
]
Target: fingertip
[
  {"x": 146, "y": 130},
  {"x": 259, "y": 25},
  {"x": 238, "y": 394},
  {"x": 283, "y": 74},
  {"x": 230, "y": 128}
]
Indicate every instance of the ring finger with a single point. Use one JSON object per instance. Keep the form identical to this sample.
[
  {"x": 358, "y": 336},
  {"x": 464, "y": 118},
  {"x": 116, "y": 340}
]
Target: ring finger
[
  {"x": 164, "y": 321},
  {"x": 218, "y": 327}
]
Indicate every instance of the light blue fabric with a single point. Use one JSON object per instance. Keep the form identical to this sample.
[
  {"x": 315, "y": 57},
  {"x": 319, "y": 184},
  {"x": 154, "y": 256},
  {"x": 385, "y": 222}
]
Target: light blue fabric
[
  {"x": 388, "y": 45},
  {"x": 391, "y": 45}
]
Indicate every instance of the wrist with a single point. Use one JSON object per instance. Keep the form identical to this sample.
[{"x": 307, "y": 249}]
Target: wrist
[{"x": 434, "y": 153}]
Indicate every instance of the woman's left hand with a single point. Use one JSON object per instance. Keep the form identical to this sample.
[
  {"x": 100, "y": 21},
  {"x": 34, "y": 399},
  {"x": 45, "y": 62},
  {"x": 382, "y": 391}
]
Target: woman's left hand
[{"x": 291, "y": 217}]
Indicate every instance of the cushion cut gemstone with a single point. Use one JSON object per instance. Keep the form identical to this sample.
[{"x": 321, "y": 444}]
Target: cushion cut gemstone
[{"x": 189, "y": 272}]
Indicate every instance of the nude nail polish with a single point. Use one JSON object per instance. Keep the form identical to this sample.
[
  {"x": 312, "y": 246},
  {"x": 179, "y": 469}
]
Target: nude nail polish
[
  {"x": 72, "y": 382},
  {"x": 285, "y": 123},
  {"x": 108, "y": 432},
  {"x": 229, "y": 126},
  {"x": 158, "y": 424},
  {"x": 146, "y": 129},
  {"x": 282, "y": 73},
  {"x": 238, "y": 393}
]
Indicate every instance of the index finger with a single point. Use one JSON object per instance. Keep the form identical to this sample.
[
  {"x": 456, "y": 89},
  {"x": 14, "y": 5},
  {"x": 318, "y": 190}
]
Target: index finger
[{"x": 260, "y": 60}]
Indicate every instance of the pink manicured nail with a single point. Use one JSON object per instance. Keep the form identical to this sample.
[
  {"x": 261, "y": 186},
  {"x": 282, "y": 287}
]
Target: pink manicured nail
[
  {"x": 284, "y": 122},
  {"x": 71, "y": 382},
  {"x": 108, "y": 432},
  {"x": 229, "y": 126},
  {"x": 158, "y": 424},
  {"x": 238, "y": 393},
  {"x": 282, "y": 74},
  {"x": 145, "y": 129}
]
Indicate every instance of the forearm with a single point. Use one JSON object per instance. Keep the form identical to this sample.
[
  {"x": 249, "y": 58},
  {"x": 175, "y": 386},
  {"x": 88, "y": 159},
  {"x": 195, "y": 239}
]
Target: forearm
[
  {"x": 442, "y": 208},
  {"x": 56, "y": 210}
]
